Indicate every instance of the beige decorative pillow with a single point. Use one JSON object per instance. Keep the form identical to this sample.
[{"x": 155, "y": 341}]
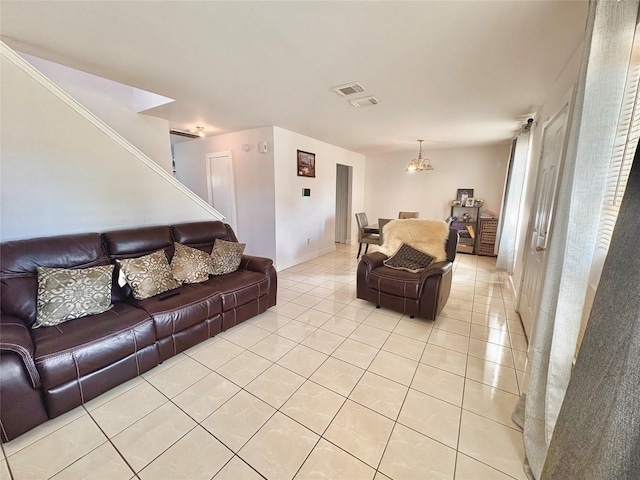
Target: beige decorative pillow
[
  {"x": 190, "y": 265},
  {"x": 65, "y": 294},
  {"x": 226, "y": 256},
  {"x": 148, "y": 275}
]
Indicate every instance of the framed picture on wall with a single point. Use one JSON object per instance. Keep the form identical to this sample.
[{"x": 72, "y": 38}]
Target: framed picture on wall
[
  {"x": 463, "y": 194},
  {"x": 306, "y": 164}
]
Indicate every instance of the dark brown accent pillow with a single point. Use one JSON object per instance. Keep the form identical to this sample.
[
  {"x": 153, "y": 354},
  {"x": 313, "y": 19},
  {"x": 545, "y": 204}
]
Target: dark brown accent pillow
[{"x": 409, "y": 259}]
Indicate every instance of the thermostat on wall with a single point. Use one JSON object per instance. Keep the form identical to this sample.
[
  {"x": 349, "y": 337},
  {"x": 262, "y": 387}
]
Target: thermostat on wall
[{"x": 306, "y": 192}]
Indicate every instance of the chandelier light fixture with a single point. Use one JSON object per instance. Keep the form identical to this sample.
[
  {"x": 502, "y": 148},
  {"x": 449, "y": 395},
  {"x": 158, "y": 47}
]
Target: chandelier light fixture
[{"x": 419, "y": 164}]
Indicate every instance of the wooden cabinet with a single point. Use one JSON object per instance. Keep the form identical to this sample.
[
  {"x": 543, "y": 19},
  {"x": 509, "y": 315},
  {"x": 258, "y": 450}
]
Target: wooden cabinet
[
  {"x": 487, "y": 236},
  {"x": 466, "y": 222}
]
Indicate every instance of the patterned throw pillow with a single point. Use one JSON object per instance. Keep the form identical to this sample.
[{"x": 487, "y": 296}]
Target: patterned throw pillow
[
  {"x": 148, "y": 275},
  {"x": 65, "y": 294},
  {"x": 409, "y": 259},
  {"x": 190, "y": 265},
  {"x": 226, "y": 256}
]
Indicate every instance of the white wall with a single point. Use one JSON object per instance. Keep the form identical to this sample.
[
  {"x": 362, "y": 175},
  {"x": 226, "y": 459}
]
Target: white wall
[
  {"x": 389, "y": 189},
  {"x": 313, "y": 218},
  {"x": 60, "y": 173},
  {"x": 114, "y": 104},
  {"x": 274, "y": 220},
  {"x": 254, "y": 178}
]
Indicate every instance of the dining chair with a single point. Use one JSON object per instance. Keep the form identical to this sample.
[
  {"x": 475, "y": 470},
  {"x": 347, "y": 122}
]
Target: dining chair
[
  {"x": 381, "y": 223},
  {"x": 364, "y": 237},
  {"x": 405, "y": 215}
]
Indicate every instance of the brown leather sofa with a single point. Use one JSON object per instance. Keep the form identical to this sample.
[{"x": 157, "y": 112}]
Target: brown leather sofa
[
  {"x": 48, "y": 371},
  {"x": 422, "y": 294}
]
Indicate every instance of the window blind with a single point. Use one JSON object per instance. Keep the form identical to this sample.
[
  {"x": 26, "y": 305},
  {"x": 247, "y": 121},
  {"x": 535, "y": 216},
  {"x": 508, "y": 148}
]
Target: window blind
[{"x": 627, "y": 135}]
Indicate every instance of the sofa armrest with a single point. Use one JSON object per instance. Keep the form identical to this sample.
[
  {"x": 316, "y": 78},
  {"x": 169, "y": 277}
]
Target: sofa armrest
[
  {"x": 15, "y": 338},
  {"x": 265, "y": 266},
  {"x": 439, "y": 268},
  {"x": 256, "y": 264},
  {"x": 373, "y": 260}
]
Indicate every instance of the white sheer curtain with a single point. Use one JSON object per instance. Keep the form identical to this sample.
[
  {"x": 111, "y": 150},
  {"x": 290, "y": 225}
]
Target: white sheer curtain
[
  {"x": 597, "y": 435},
  {"x": 513, "y": 204},
  {"x": 599, "y": 95}
]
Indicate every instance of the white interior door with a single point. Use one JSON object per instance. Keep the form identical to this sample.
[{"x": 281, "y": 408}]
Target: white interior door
[
  {"x": 553, "y": 141},
  {"x": 221, "y": 186}
]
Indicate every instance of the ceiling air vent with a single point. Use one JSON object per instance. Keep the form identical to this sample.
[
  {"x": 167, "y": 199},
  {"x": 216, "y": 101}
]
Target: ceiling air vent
[
  {"x": 364, "y": 102},
  {"x": 184, "y": 134},
  {"x": 348, "y": 89}
]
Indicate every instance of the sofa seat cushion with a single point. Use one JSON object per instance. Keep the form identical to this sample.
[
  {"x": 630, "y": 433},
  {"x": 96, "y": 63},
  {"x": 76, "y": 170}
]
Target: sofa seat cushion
[
  {"x": 79, "y": 347},
  {"x": 181, "y": 308},
  {"x": 239, "y": 287},
  {"x": 395, "y": 282}
]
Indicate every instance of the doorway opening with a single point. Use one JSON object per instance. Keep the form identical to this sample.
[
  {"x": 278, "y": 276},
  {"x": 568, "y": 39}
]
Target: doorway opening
[{"x": 344, "y": 177}]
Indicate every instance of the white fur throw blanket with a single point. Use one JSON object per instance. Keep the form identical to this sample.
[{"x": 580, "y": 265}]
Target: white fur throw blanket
[{"x": 427, "y": 236}]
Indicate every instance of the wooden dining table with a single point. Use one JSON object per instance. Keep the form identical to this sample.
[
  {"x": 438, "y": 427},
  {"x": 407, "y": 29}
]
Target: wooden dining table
[{"x": 373, "y": 228}]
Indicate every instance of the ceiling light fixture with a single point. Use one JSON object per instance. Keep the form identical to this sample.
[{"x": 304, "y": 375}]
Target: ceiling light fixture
[
  {"x": 199, "y": 131},
  {"x": 419, "y": 164}
]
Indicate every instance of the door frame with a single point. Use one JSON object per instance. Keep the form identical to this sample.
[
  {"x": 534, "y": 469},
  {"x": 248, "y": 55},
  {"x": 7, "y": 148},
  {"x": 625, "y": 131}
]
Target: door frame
[
  {"x": 231, "y": 181},
  {"x": 566, "y": 105},
  {"x": 343, "y": 202}
]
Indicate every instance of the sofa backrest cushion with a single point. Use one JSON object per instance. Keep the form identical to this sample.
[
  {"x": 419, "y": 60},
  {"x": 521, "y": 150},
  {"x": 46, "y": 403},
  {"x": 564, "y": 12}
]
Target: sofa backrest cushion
[
  {"x": 20, "y": 258},
  {"x": 136, "y": 242},
  {"x": 202, "y": 235}
]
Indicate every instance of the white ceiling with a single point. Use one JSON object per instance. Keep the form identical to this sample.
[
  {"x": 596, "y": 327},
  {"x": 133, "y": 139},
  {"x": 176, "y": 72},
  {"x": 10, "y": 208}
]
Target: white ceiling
[{"x": 456, "y": 73}]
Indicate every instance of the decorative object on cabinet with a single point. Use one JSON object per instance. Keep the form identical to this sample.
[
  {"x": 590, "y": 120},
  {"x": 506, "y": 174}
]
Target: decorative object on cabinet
[
  {"x": 487, "y": 236},
  {"x": 465, "y": 220},
  {"x": 470, "y": 202}
]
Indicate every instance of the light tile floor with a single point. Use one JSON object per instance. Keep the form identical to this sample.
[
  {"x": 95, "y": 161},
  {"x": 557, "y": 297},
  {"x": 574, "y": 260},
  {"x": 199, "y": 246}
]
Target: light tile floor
[{"x": 323, "y": 386}]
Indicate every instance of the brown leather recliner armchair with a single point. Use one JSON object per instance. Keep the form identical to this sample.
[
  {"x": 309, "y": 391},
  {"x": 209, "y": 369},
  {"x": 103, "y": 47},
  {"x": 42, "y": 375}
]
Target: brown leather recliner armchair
[{"x": 422, "y": 294}]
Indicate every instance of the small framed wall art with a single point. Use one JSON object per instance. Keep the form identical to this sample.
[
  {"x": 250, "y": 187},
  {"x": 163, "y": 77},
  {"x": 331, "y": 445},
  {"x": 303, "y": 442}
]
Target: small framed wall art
[
  {"x": 306, "y": 164},
  {"x": 463, "y": 194}
]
